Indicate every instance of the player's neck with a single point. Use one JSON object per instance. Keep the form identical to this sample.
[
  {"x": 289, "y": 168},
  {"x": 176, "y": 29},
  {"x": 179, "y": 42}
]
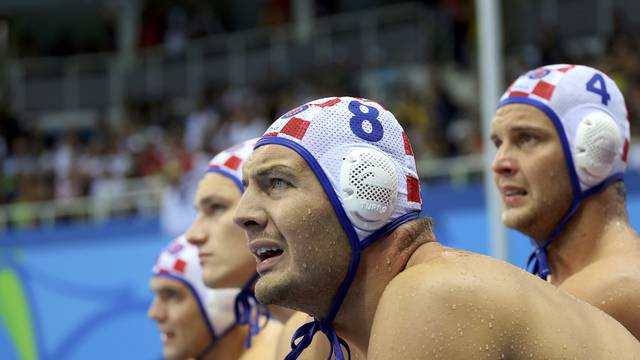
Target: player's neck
[
  {"x": 379, "y": 264},
  {"x": 589, "y": 236},
  {"x": 230, "y": 346}
]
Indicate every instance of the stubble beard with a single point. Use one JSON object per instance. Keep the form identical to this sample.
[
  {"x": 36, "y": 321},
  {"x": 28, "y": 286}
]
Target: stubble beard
[{"x": 293, "y": 292}]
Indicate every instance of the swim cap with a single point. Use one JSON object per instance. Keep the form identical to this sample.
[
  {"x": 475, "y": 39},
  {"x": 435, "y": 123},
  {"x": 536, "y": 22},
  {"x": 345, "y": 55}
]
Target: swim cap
[
  {"x": 589, "y": 113},
  {"x": 179, "y": 261},
  {"x": 366, "y": 166},
  {"x": 361, "y": 156},
  {"x": 247, "y": 309},
  {"x": 591, "y": 119},
  {"x": 229, "y": 162}
]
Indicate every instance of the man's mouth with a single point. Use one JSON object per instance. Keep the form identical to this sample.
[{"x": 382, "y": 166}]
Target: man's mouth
[
  {"x": 267, "y": 253},
  {"x": 513, "y": 195},
  {"x": 167, "y": 336}
]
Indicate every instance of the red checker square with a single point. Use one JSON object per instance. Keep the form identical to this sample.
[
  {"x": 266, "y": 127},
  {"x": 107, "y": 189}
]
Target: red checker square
[
  {"x": 328, "y": 103},
  {"x": 233, "y": 162},
  {"x": 407, "y": 146},
  {"x": 566, "y": 68},
  {"x": 518, "y": 94},
  {"x": 625, "y": 150},
  {"x": 413, "y": 189},
  {"x": 544, "y": 90},
  {"x": 179, "y": 266},
  {"x": 296, "y": 127},
  {"x": 270, "y": 134}
]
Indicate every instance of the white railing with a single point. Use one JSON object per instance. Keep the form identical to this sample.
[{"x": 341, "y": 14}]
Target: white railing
[
  {"x": 144, "y": 196},
  {"x": 141, "y": 196}
]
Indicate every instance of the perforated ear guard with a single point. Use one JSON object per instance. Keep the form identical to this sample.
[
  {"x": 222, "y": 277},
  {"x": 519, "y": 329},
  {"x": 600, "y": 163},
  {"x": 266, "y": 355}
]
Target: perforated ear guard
[
  {"x": 595, "y": 148},
  {"x": 369, "y": 186}
]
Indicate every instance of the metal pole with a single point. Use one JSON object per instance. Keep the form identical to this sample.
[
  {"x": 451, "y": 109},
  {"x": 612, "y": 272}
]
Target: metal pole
[{"x": 491, "y": 84}]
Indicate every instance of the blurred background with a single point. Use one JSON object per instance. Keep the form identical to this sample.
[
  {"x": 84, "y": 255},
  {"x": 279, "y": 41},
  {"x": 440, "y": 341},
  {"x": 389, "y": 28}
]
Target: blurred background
[{"x": 110, "y": 110}]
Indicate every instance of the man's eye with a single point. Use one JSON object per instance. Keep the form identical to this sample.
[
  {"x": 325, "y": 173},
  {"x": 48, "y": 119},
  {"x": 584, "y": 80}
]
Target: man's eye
[
  {"x": 169, "y": 295},
  {"x": 526, "y": 138},
  {"x": 497, "y": 143},
  {"x": 215, "y": 209},
  {"x": 279, "y": 184}
]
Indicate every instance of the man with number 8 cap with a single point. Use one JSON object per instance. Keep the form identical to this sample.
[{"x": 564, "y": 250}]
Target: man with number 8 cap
[
  {"x": 332, "y": 215},
  {"x": 562, "y": 138}
]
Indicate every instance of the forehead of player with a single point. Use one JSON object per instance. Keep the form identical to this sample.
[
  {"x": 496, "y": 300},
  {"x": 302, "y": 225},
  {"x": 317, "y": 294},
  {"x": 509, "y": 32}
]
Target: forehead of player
[
  {"x": 516, "y": 118},
  {"x": 165, "y": 287},
  {"x": 274, "y": 161},
  {"x": 214, "y": 188}
]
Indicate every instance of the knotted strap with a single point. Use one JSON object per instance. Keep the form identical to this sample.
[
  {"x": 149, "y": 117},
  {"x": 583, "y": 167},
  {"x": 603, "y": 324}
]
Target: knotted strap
[
  {"x": 540, "y": 262},
  {"x": 248, "y": 311},
  {"x": 305, "y": 334}
]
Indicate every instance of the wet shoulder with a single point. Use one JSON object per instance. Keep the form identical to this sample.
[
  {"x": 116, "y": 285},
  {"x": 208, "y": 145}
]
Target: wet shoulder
[
  {"x": 612, "y": 285},
  {"x": 265, "y": 343}
]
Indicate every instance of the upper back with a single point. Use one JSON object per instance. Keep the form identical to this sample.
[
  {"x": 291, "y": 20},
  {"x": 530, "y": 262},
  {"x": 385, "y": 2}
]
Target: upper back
[{"x": 459, "y": 305}]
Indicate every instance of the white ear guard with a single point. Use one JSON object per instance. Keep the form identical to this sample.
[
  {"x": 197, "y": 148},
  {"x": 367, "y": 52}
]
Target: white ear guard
[
  {"x": 368, "y": 187},
  {"x": 596, "y": 146}
]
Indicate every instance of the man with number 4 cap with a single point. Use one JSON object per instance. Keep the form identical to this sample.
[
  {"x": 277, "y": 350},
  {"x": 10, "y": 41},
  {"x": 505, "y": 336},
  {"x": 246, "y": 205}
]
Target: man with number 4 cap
[
  {"x": 562, "y": 139},
  {"x": 332, "y": 212},
  {"x": 223, "y": 254}
]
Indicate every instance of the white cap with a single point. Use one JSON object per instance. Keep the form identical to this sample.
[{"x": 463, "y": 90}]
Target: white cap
[
  {"x": 589, "y": 113},
  {"x": 179, "y": 261}
]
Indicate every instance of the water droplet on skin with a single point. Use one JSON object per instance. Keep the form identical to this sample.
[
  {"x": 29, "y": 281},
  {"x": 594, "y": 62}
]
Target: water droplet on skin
[
  {"x": 490, "y": 325},
  {"x": 388, "y": 261},
  {"x": 309, "y": 211},
  {"x": 453, "y": 306},
  {"x": 603, "y": 302},
  {"x": 304, "y": 265},
  {"x": 491, "y": 317}
]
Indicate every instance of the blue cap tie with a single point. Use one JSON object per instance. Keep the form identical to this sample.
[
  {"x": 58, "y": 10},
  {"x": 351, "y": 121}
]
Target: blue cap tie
[
  {"x": 306, "y": 332},
  {"x": 248, "y": 310}
]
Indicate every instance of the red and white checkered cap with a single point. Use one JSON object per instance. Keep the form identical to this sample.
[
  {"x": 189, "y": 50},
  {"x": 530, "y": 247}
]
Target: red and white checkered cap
[
  {"x": 179, "y": 261},
  {"x": 325, "y": 131},
  {"x": 567, "y": 94},
  {"x": 229, "y": 162}
]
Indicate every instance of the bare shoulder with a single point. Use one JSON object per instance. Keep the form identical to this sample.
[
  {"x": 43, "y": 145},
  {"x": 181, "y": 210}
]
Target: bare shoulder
[
  {"x": 459, "y": 305},
  {"x": 613, "y": 285},
  {"x": 264, "y": 344}
]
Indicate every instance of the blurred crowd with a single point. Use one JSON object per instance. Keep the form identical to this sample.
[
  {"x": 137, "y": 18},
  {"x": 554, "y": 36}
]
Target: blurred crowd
[{"x": 156, "y": 137}]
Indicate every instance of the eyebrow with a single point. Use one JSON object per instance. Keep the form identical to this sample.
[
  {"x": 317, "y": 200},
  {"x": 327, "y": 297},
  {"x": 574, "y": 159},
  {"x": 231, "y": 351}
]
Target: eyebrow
[
  {"x": 212, "y": 198},
  {"x": 275, "y": 170}
]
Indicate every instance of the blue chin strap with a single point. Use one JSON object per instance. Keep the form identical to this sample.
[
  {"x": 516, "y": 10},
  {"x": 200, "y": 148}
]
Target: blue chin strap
[
  {"x": 303, "y": 336},
  {"x": 539, "y": 258},
  {"x": 248, "y": 310}
]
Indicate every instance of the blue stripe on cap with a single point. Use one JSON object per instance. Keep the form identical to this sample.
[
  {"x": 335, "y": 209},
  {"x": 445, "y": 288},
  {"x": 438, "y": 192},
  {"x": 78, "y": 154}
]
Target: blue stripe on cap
[{"x": 223, "y": 172}]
